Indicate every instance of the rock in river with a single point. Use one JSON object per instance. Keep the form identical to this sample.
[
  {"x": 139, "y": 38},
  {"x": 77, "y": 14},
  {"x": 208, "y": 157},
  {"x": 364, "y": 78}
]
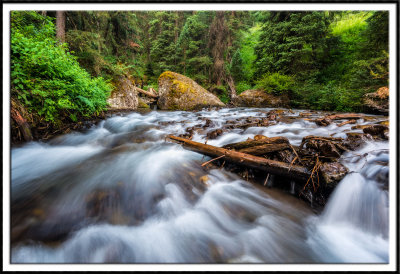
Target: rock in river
[
  {"x": 124, "y": 96},
  {"x": 377, "y": 102},
  {"x": 178, "y": 92},
  {"x": 333, "y": 172}
]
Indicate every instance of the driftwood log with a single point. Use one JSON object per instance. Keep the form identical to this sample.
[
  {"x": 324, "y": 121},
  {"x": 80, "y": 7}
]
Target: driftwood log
[
  {"x": 294, "y": 172},
  {"x": 257, "y": 142},
  {"x": 264, "y": 149},
  {"x": 149, "y": 94}
]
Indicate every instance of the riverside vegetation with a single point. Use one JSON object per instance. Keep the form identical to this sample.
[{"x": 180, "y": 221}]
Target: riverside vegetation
[{"x": 317, "y": 60}]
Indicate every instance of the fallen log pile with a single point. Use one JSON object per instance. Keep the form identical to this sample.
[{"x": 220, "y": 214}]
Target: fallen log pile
[
  {"x": 147, "y": 93},
  {"x": 248, "y": 160},
  {"x": 312, "y": 167}
]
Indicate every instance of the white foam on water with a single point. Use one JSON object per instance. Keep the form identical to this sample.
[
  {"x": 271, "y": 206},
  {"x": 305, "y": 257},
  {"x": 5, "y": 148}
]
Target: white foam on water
[{"x": 190, "y": 214}]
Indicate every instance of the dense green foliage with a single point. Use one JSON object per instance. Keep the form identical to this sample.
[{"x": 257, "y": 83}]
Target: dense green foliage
[
  {"x": 292, "y": 43},
  {"x": 276, "y": 83},
  {"x": 45, "y": 77},
  {"x": 333, "y": 57},
  {"x": 320, "y": 59}
]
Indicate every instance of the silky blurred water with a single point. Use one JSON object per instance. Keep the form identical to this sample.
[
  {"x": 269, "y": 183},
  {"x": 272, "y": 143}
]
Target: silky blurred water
[{"x": 118, "y": 193}]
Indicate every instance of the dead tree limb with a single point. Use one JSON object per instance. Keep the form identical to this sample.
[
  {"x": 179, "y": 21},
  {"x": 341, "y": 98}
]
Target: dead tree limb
[
  {"x": 264, "y": 149},
  {"x": 22, "y": 124},
  {"x": 212, "y": 160},
  {"x": 253, "y": 143},
  {"x": 294, "y": 172},
  {"x": 146, "y": 93}
]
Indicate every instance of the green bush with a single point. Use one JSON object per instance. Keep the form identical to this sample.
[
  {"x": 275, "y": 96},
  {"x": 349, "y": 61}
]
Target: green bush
[
  {"x": 151, "y": 85},
  {"x": 330, "y": 96},
  {"x": 242, "y": 86},
  {"x": 46, "y": 77},
  {"x": 221, "y": 91},
  {"x": 276, "y": 83}
]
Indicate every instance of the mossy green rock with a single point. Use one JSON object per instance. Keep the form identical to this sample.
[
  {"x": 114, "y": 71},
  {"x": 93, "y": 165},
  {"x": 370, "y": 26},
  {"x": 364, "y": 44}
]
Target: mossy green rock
[
  {"x": 178, "y": 92},
  {"x": 142, "y": 103}
]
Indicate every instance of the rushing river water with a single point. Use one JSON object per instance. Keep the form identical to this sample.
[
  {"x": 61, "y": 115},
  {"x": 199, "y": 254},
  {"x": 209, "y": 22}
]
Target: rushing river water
[{"x": 120, "y": 193}]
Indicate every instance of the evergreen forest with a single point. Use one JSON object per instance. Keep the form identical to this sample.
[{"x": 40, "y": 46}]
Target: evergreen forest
[{"x": 63, "y": 64}]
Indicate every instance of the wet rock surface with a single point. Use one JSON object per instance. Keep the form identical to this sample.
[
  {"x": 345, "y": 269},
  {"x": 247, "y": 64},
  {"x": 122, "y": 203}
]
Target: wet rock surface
[
  {"x": 259, "y": 98},
  {"x": 124, "y": 96},
  {"x": 379, "y": 131},
  {"x": 333, "y": 172},
  {"x": 178, "y": 92},
  {"x": 377, "y": 102}
]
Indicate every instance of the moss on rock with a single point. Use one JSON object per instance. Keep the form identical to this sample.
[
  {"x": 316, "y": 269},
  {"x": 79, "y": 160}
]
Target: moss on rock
[
  {"x": 124, "y": 96},
  {"x": 142, "y": 104},
  {"x": 178, "y": 92}
]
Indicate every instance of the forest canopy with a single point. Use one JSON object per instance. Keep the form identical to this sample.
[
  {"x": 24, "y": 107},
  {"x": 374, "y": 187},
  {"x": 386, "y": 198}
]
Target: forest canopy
[{"x": 320, "y": 59}]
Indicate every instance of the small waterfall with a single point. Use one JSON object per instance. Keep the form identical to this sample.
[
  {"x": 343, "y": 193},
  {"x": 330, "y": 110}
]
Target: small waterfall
[{"x": 354, "y": 224}]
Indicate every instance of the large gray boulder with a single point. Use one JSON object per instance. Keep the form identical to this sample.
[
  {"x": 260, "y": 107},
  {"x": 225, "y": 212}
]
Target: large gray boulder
[
  {"x": 178, "y": 92},
  {"x": 124, "y": 96},
  {"x": 259, "y": 98}
]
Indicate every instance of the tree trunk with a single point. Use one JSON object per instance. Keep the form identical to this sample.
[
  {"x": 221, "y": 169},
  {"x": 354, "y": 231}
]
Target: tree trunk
[
  {"x": 21, "y": 122},
  {"x": 217, "y": 44},
  {"x": 294, "y": 172},
  {"x": 60, "y": 25},
  {"x": 231, "y": 84}
]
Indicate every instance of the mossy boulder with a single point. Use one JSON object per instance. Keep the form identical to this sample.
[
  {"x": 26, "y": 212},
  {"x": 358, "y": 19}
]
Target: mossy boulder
[
  {"x": 124, "y": 96},
  {"x": 178, "y": 92},
  {"x": 260, "y": 98}
]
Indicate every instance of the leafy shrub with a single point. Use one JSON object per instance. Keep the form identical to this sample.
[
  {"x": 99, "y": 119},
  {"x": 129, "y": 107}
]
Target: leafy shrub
[
  {"x": 242, "y": 86},
  {"x": 221, "y": 91},
  {"x": 46, "y": 77},
  {"x": 276, "y": 83},
  {"x": 236, "y": 66},
  {"x": 224, "y": 97},
  {"x": 151, "y": 85},
  {"x": 330, "y": 96}
]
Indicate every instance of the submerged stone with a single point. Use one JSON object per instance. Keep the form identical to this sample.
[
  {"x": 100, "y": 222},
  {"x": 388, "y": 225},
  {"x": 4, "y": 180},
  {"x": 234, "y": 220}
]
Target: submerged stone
[
  {"x": 214, "y": 134},
  {"x": 333, "y": 172},
  {"x": 377, "y": 130},
  {"x": 355, "y": 139}
]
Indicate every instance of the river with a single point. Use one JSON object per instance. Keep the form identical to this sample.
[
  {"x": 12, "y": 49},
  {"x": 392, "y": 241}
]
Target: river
[{"x": 119, "y": 193}]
